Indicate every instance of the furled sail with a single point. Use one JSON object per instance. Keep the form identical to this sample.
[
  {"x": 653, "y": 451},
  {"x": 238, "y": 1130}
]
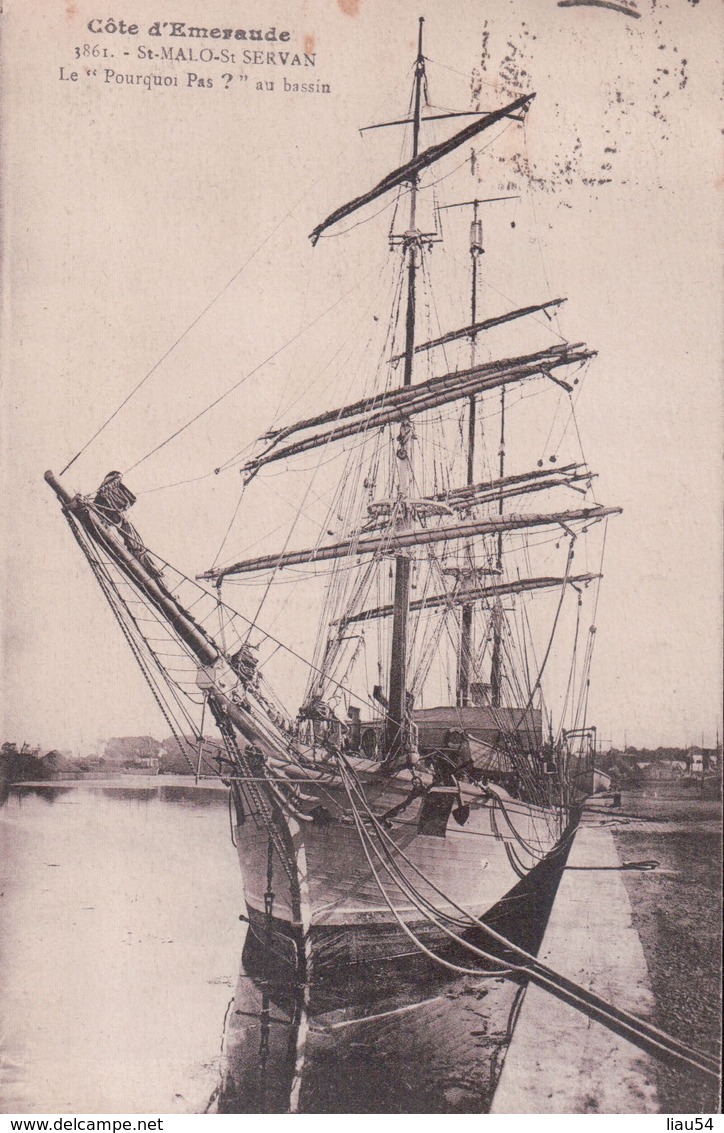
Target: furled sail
[
  {"x": 393, "y": 542},
  {"x": 475, "y": 594},
  {"x": 404, "y": 401},
  {"x": 486, "y": 491},
  {"x": 410, "y": 170},
  {"x": 477, "y": 328},
  {"x": 537, "y": 480}
]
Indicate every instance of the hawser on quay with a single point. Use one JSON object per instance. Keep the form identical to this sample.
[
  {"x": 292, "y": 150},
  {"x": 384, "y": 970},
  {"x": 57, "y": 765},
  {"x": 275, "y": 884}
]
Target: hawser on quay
[{"x": 421, "y": 779}]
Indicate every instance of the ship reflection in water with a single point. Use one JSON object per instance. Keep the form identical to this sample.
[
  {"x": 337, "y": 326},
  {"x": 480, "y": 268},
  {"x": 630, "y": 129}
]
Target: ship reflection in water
[
  {"x": 121, "y": 950},
  {"x": 402, "y": 1037},
  {"x": 398, "y": 1039}
]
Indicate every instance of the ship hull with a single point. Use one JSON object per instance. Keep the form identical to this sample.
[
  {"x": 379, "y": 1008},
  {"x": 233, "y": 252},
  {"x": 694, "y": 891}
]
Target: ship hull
[{"x": 312, "y": 897}]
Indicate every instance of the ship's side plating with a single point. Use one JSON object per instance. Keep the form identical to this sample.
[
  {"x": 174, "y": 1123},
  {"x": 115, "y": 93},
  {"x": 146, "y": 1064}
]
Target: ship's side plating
[{"x": 354, "y": 909}]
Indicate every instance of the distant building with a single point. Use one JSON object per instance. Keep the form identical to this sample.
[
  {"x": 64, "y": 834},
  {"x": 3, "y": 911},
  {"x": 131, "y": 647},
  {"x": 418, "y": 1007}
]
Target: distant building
[
  {"x": 142, "y": 765},
  {"x": 662, "y": 770},
  {"x": 695, "y": 759}
]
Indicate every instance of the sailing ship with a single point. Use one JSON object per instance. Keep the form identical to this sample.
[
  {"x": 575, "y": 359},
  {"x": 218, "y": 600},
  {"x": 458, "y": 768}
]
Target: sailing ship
[{"x": 420, "y": 780}]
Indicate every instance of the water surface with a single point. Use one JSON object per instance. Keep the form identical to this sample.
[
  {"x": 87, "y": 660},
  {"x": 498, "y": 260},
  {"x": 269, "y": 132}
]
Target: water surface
[
  {"x": 119, "y": 947},
  {"x": 124, "y": 987}
]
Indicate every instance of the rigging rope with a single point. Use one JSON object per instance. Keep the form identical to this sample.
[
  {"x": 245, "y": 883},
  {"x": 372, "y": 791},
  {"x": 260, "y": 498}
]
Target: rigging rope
[
  {"x": 216, "y": 601},
  {"x": 109, "y": 591},
  {"x": 236, "y": 385},
  {"x": 188, "y": 329}
]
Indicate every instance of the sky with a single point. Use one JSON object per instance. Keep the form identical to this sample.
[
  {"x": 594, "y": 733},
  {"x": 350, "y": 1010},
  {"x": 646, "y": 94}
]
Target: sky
[{"x": 161, "y": 234}]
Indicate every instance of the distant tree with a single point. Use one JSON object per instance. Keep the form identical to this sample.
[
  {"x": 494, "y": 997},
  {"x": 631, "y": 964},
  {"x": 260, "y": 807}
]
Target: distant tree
[
  {"x": 176, "y": 760},
  {"x": 19, "y": 766},
  {"x": 125, "y": 749}
]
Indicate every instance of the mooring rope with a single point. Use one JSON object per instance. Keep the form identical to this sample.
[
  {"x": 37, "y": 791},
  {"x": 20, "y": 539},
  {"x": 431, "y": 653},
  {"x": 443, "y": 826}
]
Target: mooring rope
[{"x": 637, "y": 1030}]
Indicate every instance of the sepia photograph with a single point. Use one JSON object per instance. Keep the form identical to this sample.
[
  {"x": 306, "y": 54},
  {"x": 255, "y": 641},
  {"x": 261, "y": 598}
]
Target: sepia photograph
[{"x": 361, "y": 744}]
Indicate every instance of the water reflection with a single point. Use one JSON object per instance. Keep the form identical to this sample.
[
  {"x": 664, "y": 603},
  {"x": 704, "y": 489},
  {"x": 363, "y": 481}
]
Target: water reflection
[
  {"x": 46, "y": 794},
  {"x": 403, "y": 1037},
  {"x": 121, "y": 944},
  {"x": 183, "y": 796}
]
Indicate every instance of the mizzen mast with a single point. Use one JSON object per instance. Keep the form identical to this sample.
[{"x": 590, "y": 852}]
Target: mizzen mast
[
  {"x": 466, "y": 612},
  {"x": 496, "y": 660}
]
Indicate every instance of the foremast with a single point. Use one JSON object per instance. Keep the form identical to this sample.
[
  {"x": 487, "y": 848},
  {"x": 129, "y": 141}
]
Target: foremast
[{"x": 396, "y": 733}]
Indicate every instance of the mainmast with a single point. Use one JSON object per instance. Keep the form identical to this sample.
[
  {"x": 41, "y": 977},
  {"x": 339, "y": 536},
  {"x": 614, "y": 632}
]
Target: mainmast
[{"x": 395, "y": 743}]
